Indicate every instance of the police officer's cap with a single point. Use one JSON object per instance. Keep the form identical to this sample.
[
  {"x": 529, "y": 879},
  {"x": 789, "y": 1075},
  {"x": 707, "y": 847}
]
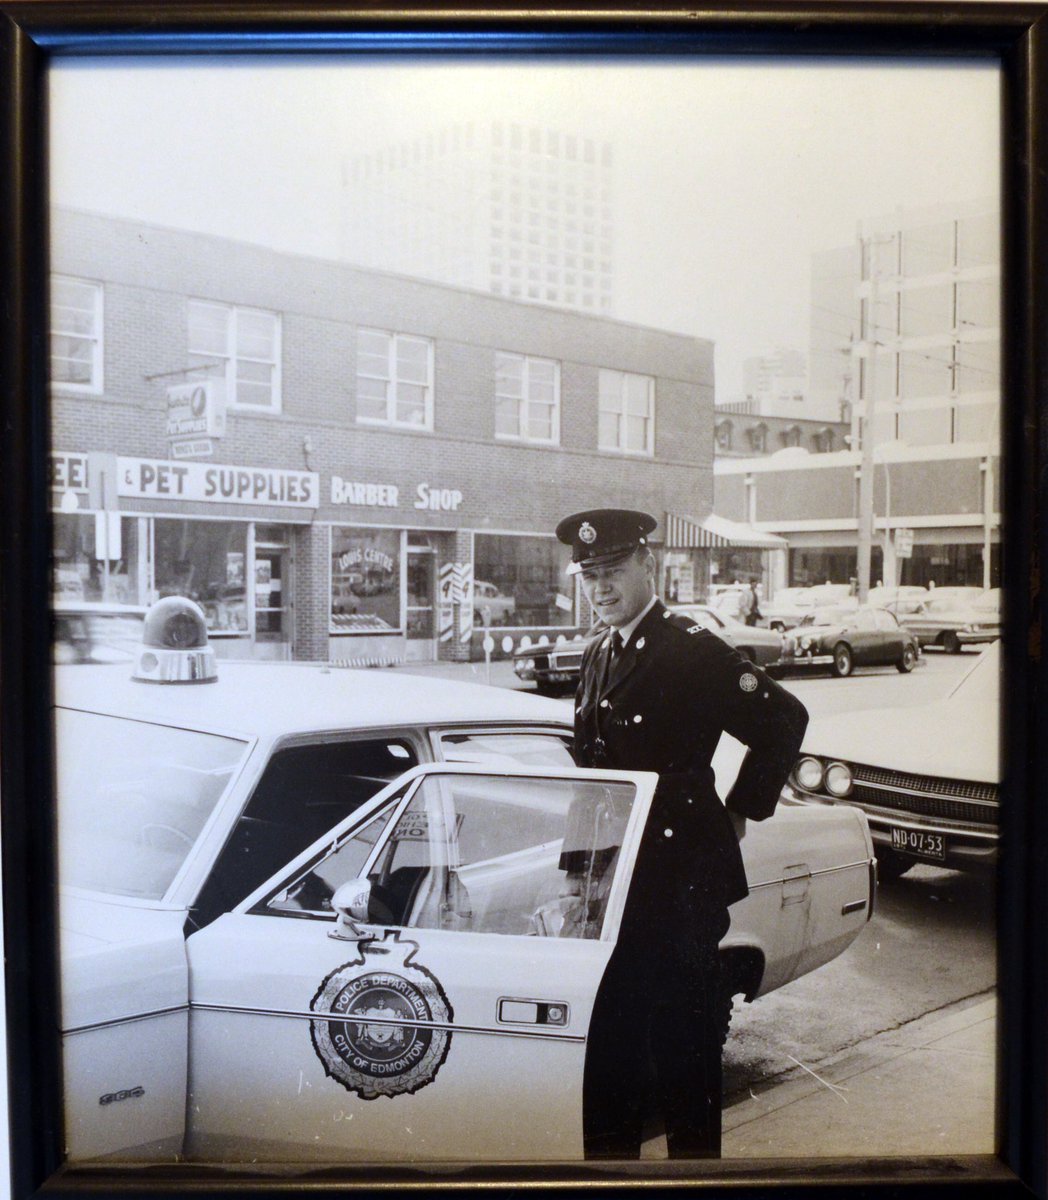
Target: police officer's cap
[{"x": 601, "y": 537}]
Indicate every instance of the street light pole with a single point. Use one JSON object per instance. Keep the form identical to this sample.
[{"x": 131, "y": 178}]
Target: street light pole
[{"x": 868, "y": 344}]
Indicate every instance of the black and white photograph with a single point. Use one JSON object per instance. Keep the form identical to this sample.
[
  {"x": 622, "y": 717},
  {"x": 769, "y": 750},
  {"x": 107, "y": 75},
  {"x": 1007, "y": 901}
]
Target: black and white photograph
[{"x": 526, "y": 575}]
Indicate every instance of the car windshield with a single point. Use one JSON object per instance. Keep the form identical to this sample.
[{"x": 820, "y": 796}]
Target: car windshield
[
  {"x": 133, "y": 798},
  {"x": 827, "y": 616}
]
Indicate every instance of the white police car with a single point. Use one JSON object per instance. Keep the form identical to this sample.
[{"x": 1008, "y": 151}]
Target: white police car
[{"x": 315, "y": 914}]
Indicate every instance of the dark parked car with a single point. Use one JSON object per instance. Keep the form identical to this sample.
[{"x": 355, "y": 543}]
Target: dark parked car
[
  {"x": 843, "y": 639},
  {"x": 555, "y": 668},
  {"x": 760, "y": 646}
]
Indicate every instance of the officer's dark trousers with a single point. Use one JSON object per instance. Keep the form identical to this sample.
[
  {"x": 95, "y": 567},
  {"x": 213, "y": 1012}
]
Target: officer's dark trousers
[{"x": 655, "y": 1045}]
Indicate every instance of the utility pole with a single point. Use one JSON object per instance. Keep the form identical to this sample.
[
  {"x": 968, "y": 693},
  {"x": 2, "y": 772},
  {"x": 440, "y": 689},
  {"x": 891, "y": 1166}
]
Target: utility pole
[{"x": 867, "y": 346}]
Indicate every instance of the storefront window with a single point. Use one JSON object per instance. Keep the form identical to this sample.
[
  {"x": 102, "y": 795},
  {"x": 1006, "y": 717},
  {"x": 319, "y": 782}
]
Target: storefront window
[
  {"x": 522, "y": 581},
  {"x": 832, "y": 564},
  {"x": 365, "y": 581},
  {"x": 95, "y": 558},
  {"x": 206, "y": 561}
]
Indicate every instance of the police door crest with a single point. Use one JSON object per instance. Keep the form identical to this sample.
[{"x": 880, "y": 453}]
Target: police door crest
[{"x": 387, "y": 1034}]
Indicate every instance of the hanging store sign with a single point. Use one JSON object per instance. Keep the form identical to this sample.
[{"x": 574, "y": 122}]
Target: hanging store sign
[
  {"x": 159, "y": 479},
  {"x": 196, "y": 409},
  {"x": 192, "y": 447},
  {"x": 904, "y": 543}
]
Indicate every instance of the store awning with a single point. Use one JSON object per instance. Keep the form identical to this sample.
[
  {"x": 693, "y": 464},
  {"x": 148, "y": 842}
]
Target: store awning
[{"x": 685, "y": 533}]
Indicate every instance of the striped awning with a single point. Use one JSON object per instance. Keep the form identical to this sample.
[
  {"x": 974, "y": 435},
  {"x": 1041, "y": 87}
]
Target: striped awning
[{"x": 686, "y": 533}]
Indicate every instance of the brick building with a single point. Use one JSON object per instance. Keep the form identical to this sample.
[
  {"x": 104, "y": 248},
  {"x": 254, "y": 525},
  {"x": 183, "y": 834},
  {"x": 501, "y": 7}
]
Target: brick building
[{"x": 343, "y": 463}]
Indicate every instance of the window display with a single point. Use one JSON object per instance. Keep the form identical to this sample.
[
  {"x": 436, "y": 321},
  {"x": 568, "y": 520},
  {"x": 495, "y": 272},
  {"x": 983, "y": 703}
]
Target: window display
[
  {"x": 95, "y": 559},
  {"x": 365, "y": 580},
  {"x": 204, "y": 560},
  {"x": 522, "y": 581}
]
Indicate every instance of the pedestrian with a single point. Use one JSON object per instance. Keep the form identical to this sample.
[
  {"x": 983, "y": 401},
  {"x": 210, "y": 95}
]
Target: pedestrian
[
  {"x": 753, "y": 612},
  {"x": 655, "y": 694},
  {"x": 744, "y": 603}
]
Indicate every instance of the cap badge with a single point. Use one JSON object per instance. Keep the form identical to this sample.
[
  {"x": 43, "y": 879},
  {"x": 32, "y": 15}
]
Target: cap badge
[
  {"x": 587, "y": 533},
  {"x": 748, "y": 682}
]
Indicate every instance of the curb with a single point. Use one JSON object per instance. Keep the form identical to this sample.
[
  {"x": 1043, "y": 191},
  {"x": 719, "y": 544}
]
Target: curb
[{"x": 907, "y": 1068}]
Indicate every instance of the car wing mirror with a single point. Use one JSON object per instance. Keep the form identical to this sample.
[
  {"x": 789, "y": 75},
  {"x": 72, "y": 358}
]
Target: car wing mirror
[{"x": 351, "y": 902}]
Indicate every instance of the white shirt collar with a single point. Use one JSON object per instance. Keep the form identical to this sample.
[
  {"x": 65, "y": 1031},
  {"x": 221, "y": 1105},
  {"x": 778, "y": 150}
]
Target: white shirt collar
[{"x": 626, "y": 631}]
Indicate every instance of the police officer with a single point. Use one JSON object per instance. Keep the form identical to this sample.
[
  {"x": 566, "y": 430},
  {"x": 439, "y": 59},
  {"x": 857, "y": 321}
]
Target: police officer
[{"x": 655, "y": 694}]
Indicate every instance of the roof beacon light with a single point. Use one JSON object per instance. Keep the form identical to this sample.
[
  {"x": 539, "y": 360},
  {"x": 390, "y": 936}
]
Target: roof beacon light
[{"x": 174, "y": 644}]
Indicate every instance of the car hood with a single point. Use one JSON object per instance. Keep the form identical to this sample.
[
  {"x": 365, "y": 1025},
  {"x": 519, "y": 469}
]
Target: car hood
[
  {"x": 821, "y": 631},
  {"x": 945, "y": 738}
]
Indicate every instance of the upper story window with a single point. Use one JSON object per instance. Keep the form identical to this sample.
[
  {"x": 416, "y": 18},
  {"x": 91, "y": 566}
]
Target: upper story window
[
  {"x": 758, "y": 436},
  {"x": 723, "y": 431},
  {"x": 241, "y": 346},
  {"x": 791, "y": 436},
  {"x": 824, "y": 440},
  {"x": 627, "y": 412},
  {"x": 527, "y": 398},
  {"x": 394, "y": 379},
  {"x": 76, "y": 334}
]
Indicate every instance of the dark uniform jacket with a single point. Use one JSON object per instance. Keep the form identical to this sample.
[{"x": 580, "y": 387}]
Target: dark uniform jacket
[{"x": 663, "y": 705}]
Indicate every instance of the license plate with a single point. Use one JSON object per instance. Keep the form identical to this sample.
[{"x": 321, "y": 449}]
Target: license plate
[{"x": 927, "y": 845}]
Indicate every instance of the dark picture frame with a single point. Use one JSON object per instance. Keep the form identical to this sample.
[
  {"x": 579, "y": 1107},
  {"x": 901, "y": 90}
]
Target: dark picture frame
[{"x": 1015, "y": 36}]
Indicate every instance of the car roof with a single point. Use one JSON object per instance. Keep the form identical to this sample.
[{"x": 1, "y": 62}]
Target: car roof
[{"x": 275, "y": 699}]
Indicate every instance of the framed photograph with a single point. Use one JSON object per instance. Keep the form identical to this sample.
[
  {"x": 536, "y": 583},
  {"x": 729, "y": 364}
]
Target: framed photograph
[{"x": 365, "y": 371}]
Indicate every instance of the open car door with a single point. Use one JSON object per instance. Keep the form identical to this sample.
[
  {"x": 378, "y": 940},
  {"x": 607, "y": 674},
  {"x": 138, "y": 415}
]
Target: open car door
[{"x": 418, "y": 985}]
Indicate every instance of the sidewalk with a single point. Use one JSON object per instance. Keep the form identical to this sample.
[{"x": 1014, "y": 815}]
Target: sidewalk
[{"x": 926, "y": 1088}]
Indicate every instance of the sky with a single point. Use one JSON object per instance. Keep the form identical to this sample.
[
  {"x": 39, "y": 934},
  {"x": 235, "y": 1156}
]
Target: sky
[{"x": 730, "y": 172}]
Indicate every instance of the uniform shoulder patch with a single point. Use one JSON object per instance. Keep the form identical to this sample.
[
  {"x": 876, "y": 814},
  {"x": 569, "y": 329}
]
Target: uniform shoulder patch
[
  {"x": 681, "y": 622},
  {"x": 748, "y": 681}
]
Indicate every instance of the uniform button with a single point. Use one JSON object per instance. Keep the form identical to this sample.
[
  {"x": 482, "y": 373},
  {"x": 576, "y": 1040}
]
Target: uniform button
[
  {"x": 665, "y": 614},
  {"x": 637, "y": 719},
  {"x": 689, "y": 800},
  {"x": 578, "y": 708},
  {"x": 605, "y": 703},
  {"x": 764, "y": 696},
  {"x": 667, "y": 833},
  {"x": 640, "y": 644}
]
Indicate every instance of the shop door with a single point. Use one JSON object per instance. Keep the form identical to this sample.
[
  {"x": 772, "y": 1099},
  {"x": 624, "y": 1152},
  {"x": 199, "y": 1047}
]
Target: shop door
[
  {"x": 421, "y": 614},
  {"x": 272, "y": 594}
]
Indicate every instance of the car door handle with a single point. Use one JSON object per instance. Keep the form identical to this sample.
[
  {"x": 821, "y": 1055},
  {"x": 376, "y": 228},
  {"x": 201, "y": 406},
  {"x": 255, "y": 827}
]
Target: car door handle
[{"x": 515, "y": 1011}]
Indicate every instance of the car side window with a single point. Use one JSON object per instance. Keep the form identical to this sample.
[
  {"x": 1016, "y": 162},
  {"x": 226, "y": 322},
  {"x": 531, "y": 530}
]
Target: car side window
[
  {"x": 864, "y": 620},
  {"x": 529, "y": 748},
  {"x": 304, "y": 791},
  {"x": 886, "y": 621},
  {"x": 485, "y": 854}
]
